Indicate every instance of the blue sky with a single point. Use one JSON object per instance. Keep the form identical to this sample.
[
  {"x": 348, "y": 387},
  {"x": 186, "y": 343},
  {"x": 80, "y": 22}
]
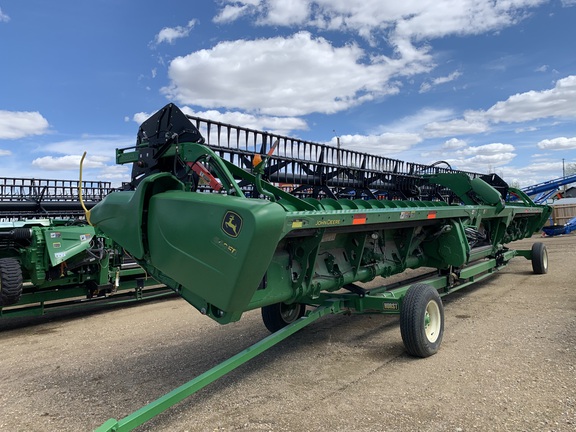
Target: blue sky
[{"x": 489, "y": 86}]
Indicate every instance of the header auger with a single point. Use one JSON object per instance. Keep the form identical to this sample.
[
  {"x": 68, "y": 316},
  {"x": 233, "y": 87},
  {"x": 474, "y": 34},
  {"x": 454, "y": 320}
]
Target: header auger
[{"x": 298, "y": 230}]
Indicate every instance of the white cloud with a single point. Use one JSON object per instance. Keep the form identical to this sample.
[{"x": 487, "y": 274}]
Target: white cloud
[
  {"x": 401, "y": 23},
  {"x": 412, "y": 19},
  {"x": 5, "y": 152},
  {"x": 141, "y": 117},
  {"x": 532, "y": 174},
  {"x": 286, "y": 12},
  {"x": 278, "y": 125},
  {"x": 486, "y": 150},
  {"x": 68, "y": 162},
  {"x": 292, "y": 72},
  {"x": 170, "y": 34},
  {"x": 230, "y": 13},
  {"x": 19, "y": 124},
  {"x": 386, "y": 144},
  {"x": 416, "y": 122},
  {"x": 3, "y": 16},
  {"x": 526, "y": 129},
  {"x": 454, "y": 143},
  {"x": 483, "y": 158},
  {"x": 235, "y": 10},
  {"x": 62, "y": 159},
  {"x": 283, "y": 76},
  {"x": 427, "y": 86},
  {"x": 95, "y": 167},
  {"x": 101, "y": 145},
  {"x": 455, "y": 127},
  {"x": 560, "y": 143},
  {"x": 556, "y": 102}
]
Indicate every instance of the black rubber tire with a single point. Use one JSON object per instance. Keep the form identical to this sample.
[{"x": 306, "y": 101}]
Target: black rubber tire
[
  {"x": 539, "y": 258},
  {"x": 422, "y": 320},
  {"x": 10, "y": 281},
  {"x": 279, "y": 315}
]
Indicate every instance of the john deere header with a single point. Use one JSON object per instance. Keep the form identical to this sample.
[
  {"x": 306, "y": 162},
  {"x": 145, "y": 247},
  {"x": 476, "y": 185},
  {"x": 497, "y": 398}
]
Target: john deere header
[{"x": 235, "y": 219}]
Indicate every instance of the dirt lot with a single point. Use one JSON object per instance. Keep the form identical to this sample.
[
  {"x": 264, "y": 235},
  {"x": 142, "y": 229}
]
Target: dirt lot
[{"x": 507, "y": 363}]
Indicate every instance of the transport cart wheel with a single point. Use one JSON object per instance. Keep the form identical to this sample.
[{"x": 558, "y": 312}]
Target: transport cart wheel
[
  {"x": 422, "y": 320},
  {"x": 10, "y": 281},
  {"x": 539, "y": 258},
  {"x": 279, "y": 315}
]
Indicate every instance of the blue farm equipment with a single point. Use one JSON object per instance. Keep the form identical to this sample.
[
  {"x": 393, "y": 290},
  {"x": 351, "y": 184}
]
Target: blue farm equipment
[
  {"x": 555, "y": 230},
  {"x": 541, "y": 192}
]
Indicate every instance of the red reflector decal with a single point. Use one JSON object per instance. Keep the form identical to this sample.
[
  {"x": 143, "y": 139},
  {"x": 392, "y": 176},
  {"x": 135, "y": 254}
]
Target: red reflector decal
[
  {"x": 432, "y": 215},
  {"x": 359, "y": 219}
]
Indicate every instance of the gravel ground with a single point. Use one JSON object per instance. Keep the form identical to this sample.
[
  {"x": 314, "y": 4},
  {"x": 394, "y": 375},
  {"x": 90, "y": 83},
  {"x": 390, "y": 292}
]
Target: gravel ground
[{"x": 507, "y": 363}]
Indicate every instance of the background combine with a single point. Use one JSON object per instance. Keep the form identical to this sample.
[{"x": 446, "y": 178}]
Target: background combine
[{"x": 51, "y": 258}]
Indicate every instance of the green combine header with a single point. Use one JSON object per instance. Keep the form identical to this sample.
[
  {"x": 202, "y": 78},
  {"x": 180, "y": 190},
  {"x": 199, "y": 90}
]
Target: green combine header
[
  {"x": 51, "y": 259},
  {"x": 234, "y": 219}
]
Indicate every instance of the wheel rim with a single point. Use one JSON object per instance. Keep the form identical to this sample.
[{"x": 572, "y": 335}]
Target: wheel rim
[
  {"x": 545, "y": 259},
  {"x": 290, "y": 313},
  {"x": 432, "y": 321}
]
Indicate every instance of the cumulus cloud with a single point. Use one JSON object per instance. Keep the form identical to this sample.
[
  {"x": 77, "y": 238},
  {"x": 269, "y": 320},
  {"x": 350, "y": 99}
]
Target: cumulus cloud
[
  {"x": 101, "y": 145},
  {"x": 532, "y": 174},
  {"x": 555, "y": 102},
  {"x": 482, "y": 158},
  {"x": 417, "y": 121},
  {"x": 63, "y": 159},
  {"x": 278, "y": 76},
  {"x": 236, "y": 9},
  {"x": 386, "y": 144},
  {"x": 292, "y": 72},
  {"x": 20, "y": 124},
  {"x": 487, "y": 149},
  {"x": 277, "y": 125},
  {"x": 283, "y": 12},
  {"x": 170, "y": 34},
  {"x": 282, "y": 76},
  {"x": 95, "y": 167},
  {"x": 419, "y": 20},
  {"x": 402, "y": 23},
  {"x": 454, "y": 143},
  {"x": 455, "y": 127},
  {"x": 560, "y": 143},
  {"x": 68, "y": 162}
]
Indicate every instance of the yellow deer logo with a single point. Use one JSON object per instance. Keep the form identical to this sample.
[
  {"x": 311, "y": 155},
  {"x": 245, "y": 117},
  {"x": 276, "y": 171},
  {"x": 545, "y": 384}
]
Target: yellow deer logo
[{"x": 232, "y": 224}]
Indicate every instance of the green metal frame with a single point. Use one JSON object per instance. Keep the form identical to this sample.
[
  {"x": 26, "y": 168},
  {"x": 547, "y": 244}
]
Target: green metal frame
[
  {"x": 66, "y": 298},
  {"x": 52, "y": 247}
]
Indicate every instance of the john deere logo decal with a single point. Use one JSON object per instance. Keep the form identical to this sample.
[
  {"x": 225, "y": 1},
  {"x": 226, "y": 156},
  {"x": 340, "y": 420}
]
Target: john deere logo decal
[{"x": 232, "y": 224}]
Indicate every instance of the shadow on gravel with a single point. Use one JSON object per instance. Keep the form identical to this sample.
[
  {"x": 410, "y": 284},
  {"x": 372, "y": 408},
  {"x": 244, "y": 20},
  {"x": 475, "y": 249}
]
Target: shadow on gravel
[{"x": 55, "y": 316}]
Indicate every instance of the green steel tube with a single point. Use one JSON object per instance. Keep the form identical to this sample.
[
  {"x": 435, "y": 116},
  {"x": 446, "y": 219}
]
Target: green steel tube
[{"x": 175, "y": 396}]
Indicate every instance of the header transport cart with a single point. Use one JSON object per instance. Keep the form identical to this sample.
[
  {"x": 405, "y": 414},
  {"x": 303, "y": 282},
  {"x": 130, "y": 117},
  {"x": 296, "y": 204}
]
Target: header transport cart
[{"x": 235, "y": 219}]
